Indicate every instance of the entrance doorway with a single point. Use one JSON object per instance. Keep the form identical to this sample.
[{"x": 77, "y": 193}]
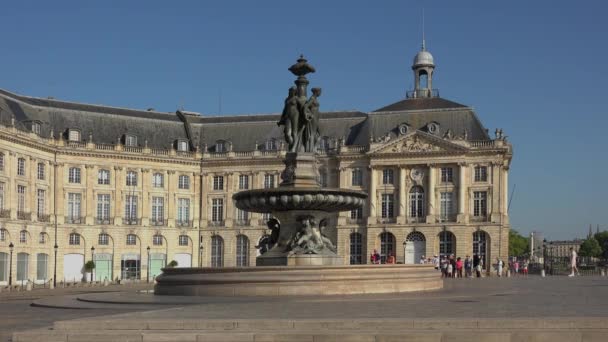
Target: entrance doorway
[
  {"x": 130, "y": 267},
  {"x": 415, "y": 248},
  {"x": 103, "y": 267},
  {"x": 73, "y": 267}
]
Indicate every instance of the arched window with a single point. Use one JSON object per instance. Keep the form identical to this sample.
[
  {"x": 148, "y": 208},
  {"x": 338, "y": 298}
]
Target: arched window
[
  {"x": 356, "y": 249},
  {"x": 447, "y": 243},
  {"x": 417, "y": 201},
  {"x": 387, "y": 246},
  {"x": 217, "y": 251},
  {"x": 74, "y": 135},
  {"x": 242, "y": 251},
  {"x": 130, "y": 140},
  {"x": 74, "y": 239},
  {"x": 480, "y": 245}
]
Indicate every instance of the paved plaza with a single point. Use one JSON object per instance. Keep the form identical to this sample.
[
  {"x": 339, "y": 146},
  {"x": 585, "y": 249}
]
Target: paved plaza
[{"x": 521, "y": 299}]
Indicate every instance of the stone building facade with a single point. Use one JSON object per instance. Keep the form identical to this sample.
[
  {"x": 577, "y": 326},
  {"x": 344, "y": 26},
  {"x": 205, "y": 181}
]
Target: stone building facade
[{"x": 135, "y": 189}]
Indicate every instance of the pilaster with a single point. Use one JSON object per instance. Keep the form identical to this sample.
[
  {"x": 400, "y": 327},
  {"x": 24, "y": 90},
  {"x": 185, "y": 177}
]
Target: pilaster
[
  {"x": 119, "y": 183},
  {"x": 462, "y": 188},
  {"x": 430, "y": 218},
  {"x": 402, "y": 218},
  {"x": 89, "y": 200},
  {"x": 145, "y": 197},
  {"x": 371, "y": 219}
]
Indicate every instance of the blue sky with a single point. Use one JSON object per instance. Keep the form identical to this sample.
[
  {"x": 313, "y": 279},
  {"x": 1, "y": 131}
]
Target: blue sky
[{"x": 537, "y": 69}]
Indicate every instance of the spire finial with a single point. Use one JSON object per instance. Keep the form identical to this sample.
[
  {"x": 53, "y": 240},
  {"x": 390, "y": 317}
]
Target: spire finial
[{"x": 423, "y": 40}]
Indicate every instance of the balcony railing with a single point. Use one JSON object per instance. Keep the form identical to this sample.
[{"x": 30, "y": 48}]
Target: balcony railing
[
  {"x": 387, "y": 220},
  {"x": 158, "y": 222},
  {"x": 243, "y": 222},
  {"x": 22, "y": 215},
  {"x": 73, "y": 220},
  {"x": 183, "y": 223},
  {"x": 483, "y": 143},
  {"x": 479, "y": 218},
  {"x": 420, "y": 219},
  {"x": 216, "y": 223},
  {"x": 44, "y": 218},
  {"x": 5, "y": 213},
  {"x": 104, "y": 220},
  {"x": 447, "y": 218},
  {"x": 133, "y": 149},
  {"x": 424, "y": 93},
  {"x": 354, "y": 220},
  {"x": 131, "y": 221},
  {"x": 263, "y": 222}
]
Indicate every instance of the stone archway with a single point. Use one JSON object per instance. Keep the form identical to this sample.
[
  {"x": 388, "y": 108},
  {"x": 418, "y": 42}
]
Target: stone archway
[{"x": 415, "y": 247}]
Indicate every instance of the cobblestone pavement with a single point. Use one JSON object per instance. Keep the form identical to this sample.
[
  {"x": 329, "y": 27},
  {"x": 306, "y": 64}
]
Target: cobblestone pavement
[
  {"x": 17, "y": 314},
  {"x": 461, "y": 298}
]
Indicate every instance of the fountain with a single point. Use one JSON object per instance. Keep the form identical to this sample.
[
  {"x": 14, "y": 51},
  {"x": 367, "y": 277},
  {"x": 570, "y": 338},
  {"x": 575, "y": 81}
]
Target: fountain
[{"x": 302, "y": 260}]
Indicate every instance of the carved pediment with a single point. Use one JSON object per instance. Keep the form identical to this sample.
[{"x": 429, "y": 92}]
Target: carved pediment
[{"x": 417, "y": 142}]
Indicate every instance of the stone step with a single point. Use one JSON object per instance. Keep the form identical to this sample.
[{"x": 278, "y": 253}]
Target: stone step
[{"x": 404, "y": 335}]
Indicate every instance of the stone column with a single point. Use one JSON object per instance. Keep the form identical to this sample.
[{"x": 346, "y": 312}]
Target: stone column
[
  {"x": 59, "y": 194},
  {"x": 230, "y": 210},
  {"x": 495, "y": 207},
  {"x": 430, "y": 218},
  {"x": 89, "y": 195},
  {"x": 32, "y": 189},
  {"x": 204, "y": 208},
  {"x": 462, "y": 216},
  {"x": 196, "y": 199},
  {"x": 52, "y": 190},
  {"x": 371, "y": 219},
  {"x": 145, "y": 197},
  {"x": 402, "y": 218},
  {"x": 343, "y": 183},
  {"x": 171, "y": 200},
  {"x": 118, "y": 186},
  {"x": 11, "y": 187}
]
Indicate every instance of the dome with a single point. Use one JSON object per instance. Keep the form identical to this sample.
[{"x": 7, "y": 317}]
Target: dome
[{"x": 423, "y": 58}]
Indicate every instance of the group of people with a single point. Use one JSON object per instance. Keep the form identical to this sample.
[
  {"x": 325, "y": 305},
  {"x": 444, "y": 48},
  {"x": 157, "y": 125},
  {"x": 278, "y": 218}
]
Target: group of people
[
  {"x": 514, "y": 266},
  {"x": 456, "y": 267}
]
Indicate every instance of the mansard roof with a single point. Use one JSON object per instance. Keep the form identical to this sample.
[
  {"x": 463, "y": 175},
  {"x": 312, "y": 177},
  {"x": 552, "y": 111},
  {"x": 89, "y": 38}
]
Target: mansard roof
[{"x": 109, "y": 124}]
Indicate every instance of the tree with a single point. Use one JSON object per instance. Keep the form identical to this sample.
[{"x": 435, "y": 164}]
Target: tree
[
  {"x": 518, "y": 245},
  {"x": 590, "y": 248},
  {"x": 89, "y": 267},
  {"x": 602, "y": 239}
]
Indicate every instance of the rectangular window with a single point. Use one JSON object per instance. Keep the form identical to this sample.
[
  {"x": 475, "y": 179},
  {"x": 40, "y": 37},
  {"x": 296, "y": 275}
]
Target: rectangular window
[
  {"x": 183, "y": 210},
  {"x": 356, "y": 214},
  {"x": 41, "y": 203},
  {"x": 182, "y": 145},
  {"x": 158, "y": 180},
  {"x": 74, "y": 200},
  {"x": 387, "y": 205},
  {"x": 74, "y": 175},
  {"x": 74, "y": 239},
  {"x": 357, "y": 177},
  {"x": 218, "y": 182},
  {"x": 104, "y": 239},
  {"x": 42, "y": 238},
  {"x": 131, "y": 209},
  {"x": 183, "y": 240},
  {"x": 184, "y": 182},
  {"x": 446, "y": 175},
  {"x": 131, "y": 239},
  {"x": 103, "y": 177},
  {"x": 23, "y": 236},
  {"x": 481, "y": 174},
  {"x": 1, "y": 161},
  {"x": 21, "y": 192},
  {"x": 158, "y": 210},
  {"x": 446, "y": 206},
  {"x": 217, "y": 210},
  {"x": 41, "y": 170},
  {"x": 157, "y": 240},
  {"x": 103, "y": 207},
  {"x": 480, "y": 203},
  {"x": 387, "y": 176},
  {"x": 243, "y": 182},
  {"x": 21, "y": 167},
  {"x": 268, "y": 181},
  {"x": 131, "y": 178},
  {"x": 242, "y": 215},
  {"x": 36, "y": 129}
]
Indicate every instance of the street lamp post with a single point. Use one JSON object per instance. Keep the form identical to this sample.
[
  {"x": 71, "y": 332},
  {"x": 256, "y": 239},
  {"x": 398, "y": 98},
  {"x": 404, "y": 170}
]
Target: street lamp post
[
  {"x": 148, "y": 272},
  {"x": 92, "y": 259},
  {"x": 55, "y": 267},
  {"x": 200, "y": 256},
  {"x": 10, "y": 272}
]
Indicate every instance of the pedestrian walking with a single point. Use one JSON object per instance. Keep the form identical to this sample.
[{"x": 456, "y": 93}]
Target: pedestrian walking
[
  {"x": 573, "y": 262},
  {"x": 499, "y": 265},
  {"x": 459, "y": 266},
  {"x": 468, "y": 266}
]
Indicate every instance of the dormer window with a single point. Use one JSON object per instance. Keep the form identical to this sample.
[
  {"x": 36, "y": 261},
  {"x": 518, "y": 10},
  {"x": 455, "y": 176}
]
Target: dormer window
[
  {"x": 130, "y": 140},
  {"x": 36, "y": 127},
  {"x": 220, "y": 146},
  {"x": 433, "y": 128},
  {"x": 182, "y": 145},
  {"x": 74, "y": 135},
  {"x": 271, "y": 145}
]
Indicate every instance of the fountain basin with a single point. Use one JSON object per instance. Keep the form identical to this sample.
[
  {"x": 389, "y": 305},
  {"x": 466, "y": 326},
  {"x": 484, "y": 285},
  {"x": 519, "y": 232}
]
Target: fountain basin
[{"x": 303, "y": 198}]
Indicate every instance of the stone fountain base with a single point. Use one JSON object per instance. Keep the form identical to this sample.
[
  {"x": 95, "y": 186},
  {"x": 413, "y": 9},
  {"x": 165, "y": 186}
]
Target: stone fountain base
[{"x": 297, "y": 281}]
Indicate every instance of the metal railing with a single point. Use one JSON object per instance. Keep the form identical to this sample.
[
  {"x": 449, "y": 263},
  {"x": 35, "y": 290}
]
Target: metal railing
[
  {"x": 158, "y": 222},
  {"x": 5, "y": 213},
  {"x": 242, "y": 222},
  {"x": 22, "y": 215},
  {"x": 422, "y": 93},
  {"x": 44, "y": 218},
  {"x": 387, "y": 220},
  {"x": 183, "y": 223},
  {"x": 73, "y": 220},
  {"x": 132, "y": 221},
  {"x": 104, "y": 220},
  {"x": 216, "y": 223}
]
